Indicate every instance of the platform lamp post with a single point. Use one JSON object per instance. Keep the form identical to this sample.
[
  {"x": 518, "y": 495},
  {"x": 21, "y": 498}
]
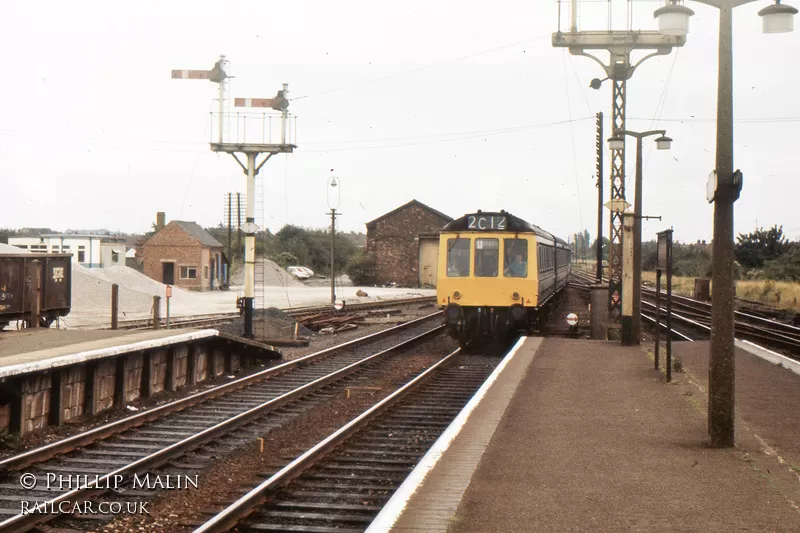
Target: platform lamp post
[
  {"x": 633, "y": 328},
  {"x": 723, "y": 189},
  {"x": 334, "y": 197}
]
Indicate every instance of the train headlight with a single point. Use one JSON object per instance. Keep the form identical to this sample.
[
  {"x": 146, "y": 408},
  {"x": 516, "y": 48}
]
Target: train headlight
[
  {"x": 515, "y": 296},
  {"x": 456, "y": 295}
]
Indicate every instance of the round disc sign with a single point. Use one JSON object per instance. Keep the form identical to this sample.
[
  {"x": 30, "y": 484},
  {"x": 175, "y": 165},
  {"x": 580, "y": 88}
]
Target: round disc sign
[{"x": 572, "y": 319}]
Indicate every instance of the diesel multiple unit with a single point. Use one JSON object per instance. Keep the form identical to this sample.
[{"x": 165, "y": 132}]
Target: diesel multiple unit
[{"x": 496, "y": 272}]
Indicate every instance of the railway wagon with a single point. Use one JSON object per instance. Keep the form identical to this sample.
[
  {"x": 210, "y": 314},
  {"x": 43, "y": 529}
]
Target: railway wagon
[
  {"x": 496, "y": 273},
  {"x": 19, "y": 276}
]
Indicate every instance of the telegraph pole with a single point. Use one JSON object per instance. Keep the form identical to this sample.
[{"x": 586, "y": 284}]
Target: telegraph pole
[
  {"x": 334, "y": 196},
  {"x": 333, "y": 256}
]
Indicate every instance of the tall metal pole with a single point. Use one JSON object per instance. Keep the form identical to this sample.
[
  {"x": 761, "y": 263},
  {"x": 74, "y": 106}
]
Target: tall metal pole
[
  {"x": 617, "y": 193},
  {"x": 221, "y": 123},
  {"x": 239, "y": 221},
  {"x": 599, "y": 170},
  {"x": 333, "y": 256},
  {"x": 250, "y": 247},
  {"x": 574, "y": 16},
  {"x": 284, "y": 114},
  {"x": 636, "y": 325},
  {"x": 721, "y": 371},
  {"x": 230, "y": 223}
]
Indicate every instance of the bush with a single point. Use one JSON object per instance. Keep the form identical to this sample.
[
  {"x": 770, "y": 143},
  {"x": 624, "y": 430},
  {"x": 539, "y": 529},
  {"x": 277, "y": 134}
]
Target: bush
[
  {"x": 285, "y": 259},
  {"x": 785, "y": 267},
  {"x": 361, "y": 269}
]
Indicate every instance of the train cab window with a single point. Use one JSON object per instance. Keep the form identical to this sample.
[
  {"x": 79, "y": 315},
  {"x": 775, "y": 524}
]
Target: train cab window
[
  {"x": 457, "y": 258},
  {"x": 515, "y": 258},
  {"x": 487, "y": 252}
]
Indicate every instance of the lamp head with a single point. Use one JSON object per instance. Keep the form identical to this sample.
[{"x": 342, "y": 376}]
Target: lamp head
[
  {"x": 777, "y": 18},
  {"x": 617, "y": 142},
  {"x": 334, "y": 192},
  {"x": 673, "y": 19},
  {"x": 663, "y": 143}
]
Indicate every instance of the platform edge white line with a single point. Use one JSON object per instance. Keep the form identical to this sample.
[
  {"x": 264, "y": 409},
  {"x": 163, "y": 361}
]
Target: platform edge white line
[
  {"x": 768, "y": 355},
  {"x": 394, "y": 508}
]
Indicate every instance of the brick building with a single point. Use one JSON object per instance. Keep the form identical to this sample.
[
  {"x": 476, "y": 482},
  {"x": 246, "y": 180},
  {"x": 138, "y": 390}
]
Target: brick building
[
  {"x": 405, "y": 244},
  {"x": 185, "y": 255}
]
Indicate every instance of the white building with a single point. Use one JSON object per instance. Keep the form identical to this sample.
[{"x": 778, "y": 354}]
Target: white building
[{"x": 88, "y": 250}]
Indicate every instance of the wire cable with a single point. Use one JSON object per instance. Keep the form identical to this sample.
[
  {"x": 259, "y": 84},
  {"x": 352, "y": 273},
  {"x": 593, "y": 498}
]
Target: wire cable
[
  {"x": 490, "y": 133},
  {"x": 415, "y": 70},
  {"x": 572, "y": 137}
]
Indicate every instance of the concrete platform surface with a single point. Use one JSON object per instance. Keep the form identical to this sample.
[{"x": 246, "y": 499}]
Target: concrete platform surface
[
  {"x": 29, "y": 340},
  {"x": 50, "y": 348},
  {"x": 595, "y": 440}
]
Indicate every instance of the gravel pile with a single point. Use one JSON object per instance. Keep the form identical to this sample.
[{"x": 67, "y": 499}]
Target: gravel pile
[
  {"x": 91, "y": 295},
  {"x": 273, "y": 276},
  {"x": 8, "y": 249}
]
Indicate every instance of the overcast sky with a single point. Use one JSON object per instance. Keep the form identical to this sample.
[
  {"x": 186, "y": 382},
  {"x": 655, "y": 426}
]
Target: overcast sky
[{"x": 462, "y": 105}]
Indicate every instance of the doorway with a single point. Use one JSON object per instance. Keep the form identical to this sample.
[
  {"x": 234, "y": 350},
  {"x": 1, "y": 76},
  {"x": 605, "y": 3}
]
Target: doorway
[
  {"x": 168, "y": 273},
  {"x": 428, "y": 261}
]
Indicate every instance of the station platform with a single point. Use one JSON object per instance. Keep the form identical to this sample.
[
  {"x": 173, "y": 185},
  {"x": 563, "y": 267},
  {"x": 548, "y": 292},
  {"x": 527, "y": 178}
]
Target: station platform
[
  {"x": 578, "y": 435},
  {"x": 52, "y": 377},
  {"x": 34, "y": 350}
]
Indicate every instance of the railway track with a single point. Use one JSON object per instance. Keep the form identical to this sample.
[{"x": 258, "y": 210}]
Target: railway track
[
  {"x": 692, "y": 319},
  {"x": 340, "y": 484},
  {"x": 209, "y": 320},
  {"x": 696, "y": 315},
  {"x": 215, "y": 419}
]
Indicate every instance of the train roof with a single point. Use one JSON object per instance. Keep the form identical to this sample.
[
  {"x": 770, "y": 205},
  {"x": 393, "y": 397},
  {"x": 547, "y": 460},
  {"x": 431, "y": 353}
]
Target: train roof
[{"x": 514, "y": 225}]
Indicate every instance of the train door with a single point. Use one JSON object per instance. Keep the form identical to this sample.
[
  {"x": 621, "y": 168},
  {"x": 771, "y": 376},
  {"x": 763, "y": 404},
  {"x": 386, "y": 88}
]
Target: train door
[
  {"x": 428, "y": 261},
  {"x": 168, "y": 273}
]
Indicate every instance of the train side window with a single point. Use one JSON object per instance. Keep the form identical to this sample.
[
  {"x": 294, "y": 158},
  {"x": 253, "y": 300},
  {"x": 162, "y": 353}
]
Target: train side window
[
  {"x": 457, "y": 257},
  {"x": 487, "y": 252},
  {"x": 515, "y": 258}
]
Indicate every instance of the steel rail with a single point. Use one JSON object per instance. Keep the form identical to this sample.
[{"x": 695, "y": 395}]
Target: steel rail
[
  {"x": 748, "y": 316},
  {"x": 189, "y": 320},
  {"x": 42, "y": 453},
  {"x": 779, "y": 336},
  {"x": 24, "y": 522},
  {"x": 664, "y": 326},
  {"x": 244, "y": 506}
]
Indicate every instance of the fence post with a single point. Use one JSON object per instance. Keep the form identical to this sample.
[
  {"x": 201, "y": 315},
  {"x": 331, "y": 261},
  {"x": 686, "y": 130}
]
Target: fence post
[
  {"x": 114, "y": 306},
  {"x": 156, "y": 312}
]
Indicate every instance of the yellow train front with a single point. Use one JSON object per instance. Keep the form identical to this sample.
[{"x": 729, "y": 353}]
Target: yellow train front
[{"x": 496, "y": 272}]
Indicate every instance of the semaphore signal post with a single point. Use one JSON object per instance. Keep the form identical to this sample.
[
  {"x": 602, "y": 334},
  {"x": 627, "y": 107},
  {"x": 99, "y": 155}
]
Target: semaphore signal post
[{"x": 248, "y": 134}]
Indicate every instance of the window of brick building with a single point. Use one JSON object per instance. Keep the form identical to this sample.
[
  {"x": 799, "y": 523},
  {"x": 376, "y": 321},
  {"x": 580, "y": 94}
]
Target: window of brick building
[{"x": 188, "y": 272}]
